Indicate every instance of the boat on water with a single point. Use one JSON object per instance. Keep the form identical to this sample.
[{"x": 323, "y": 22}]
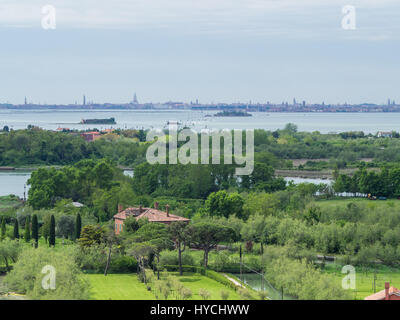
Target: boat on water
[{"x": 98, "y": 121}]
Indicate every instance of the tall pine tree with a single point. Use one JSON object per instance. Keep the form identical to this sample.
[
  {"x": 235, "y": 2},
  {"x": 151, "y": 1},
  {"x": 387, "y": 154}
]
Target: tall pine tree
[
  {"x": 78, "y": 226},
  {"x": 52, "y": 236},
  {"x": 27, "y": 233},
  {"x": 16, "y": 229},
  {"x": 35, "y": 230}
]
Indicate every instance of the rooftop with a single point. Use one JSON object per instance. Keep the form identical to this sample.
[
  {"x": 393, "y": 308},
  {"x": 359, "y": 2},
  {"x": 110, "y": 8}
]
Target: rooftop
[{"x": 152, "y": 214}]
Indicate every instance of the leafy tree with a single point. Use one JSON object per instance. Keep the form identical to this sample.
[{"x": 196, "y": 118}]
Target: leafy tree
[
  {"x": 35, "y": 230},
  {"x": 223, "y": 204},
  {"x": 52, "y": 233},
  {"x": 9, "y": 250},
  {"x": 179, "y": 236},
  {"x": 91, "y": 235},
  {"x": 131, "y": 225},
  {"x": 207, "y": 235},
  {"x": 70, "y": 282},
  {"x": 65, "y": 226}
]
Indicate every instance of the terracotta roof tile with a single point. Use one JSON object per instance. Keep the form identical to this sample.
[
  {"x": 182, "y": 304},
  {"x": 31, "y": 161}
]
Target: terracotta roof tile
[
  {"x": 381, "y": 294},
  {"x": 153, "y": 215}
]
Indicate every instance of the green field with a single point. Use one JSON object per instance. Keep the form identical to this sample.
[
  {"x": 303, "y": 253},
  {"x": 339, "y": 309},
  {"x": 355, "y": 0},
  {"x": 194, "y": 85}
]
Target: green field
[
  {"x": 365, "y": 279},
  {"x": 128, "y": 287},
  {"x": 118, "y": 287},
  {"x": 372, "y": 204}
]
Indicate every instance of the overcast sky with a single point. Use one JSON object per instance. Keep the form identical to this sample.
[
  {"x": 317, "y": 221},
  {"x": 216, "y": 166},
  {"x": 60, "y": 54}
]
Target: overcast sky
[{"x": 211, "y": 50}]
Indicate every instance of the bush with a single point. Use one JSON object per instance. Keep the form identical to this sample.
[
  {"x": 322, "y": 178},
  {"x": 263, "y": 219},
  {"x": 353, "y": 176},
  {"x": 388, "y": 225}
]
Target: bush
[
  {"x": 122, "y": 264},
  {"x": 224, "y": 295},
  {"x": 204, "y": 294},
  {"x": 245, "y": 294},
  {"x": 168, "y": 257},
  {"x": 186, "y": 293},
  {"x": 26, "y": 276}
]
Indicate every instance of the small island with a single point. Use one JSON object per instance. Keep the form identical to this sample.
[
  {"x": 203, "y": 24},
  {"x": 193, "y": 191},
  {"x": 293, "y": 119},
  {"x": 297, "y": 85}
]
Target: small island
[
  {"x": 98, "y": 121},
  {"x": 232, "y": 114}
]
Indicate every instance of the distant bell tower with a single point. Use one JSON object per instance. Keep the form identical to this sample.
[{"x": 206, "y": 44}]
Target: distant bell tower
[{"x": 135, "y": 100}]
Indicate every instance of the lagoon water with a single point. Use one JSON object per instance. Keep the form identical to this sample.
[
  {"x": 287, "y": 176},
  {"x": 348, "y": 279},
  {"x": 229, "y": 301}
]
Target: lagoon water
[
  {"x": 13, "y": 182},
  {"x": 134, "y": 119}
]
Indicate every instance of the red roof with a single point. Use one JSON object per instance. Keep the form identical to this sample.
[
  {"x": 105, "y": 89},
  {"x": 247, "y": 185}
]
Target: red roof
[
  {"x": 381, "y": 294},
  {"x": 153, "y": 215}
]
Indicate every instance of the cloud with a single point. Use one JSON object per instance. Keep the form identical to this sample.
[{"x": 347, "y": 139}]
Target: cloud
[{"x": 295, "y": 18}]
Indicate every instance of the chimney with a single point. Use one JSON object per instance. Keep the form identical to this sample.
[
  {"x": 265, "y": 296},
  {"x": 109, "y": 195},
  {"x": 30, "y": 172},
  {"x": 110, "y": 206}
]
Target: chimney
[
  {"x": 156, "y": 205},
  {"x": 140, "y": 209},
  {"x": 387, "y": 286},
  {"x": 120, "y": 208},
  {"x": 167, "y": 209}
]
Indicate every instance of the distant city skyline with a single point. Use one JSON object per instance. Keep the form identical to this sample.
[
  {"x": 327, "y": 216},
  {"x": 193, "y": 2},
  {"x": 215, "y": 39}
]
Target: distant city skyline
[
  {"x": 194, "y": 101},
  {"x": 213, "y": 51}
]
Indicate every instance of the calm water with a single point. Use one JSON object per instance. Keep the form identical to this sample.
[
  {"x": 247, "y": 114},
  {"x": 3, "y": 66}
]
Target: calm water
[
  {"x": 12, "y": 182},
  {"x": 254, "y": 281},
  {"x": 323, "y": 122},
  {"x": 309, "y": 180}
]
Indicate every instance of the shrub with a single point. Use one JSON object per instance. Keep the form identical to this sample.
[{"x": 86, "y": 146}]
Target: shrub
[
  {"x": 26, "y": 276},
  {"x": 186, "y": 293},
  {"x": 204, "y": 294},
  {"x": 245, "y": 294},
  {"x": 122, "y": 264},
  {"x": 171, "y": 258},
  {"x": 224, "y": 295}
]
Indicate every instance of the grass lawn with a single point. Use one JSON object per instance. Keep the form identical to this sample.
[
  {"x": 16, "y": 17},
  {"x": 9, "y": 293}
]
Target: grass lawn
[
  {"x": 195, "y": 282},
  {"x": 118, "y": 287},
  {"x": 365, "y": 279},
  {"x": 128, "y": 287},
  {"x": 377, "y": 204}
]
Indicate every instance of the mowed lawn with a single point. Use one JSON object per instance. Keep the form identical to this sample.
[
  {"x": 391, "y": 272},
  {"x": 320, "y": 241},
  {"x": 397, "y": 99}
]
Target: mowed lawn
[
  {"x": 128, "y": 287},
  {"x": 195, "y": 282},
  {"x": 365, "y": 280},
  {"x": 118, "y": 287}
]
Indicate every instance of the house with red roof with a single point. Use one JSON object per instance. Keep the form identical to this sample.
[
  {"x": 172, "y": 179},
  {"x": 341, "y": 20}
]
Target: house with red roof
[
  {"x": 91, "y": 136},
  {"x": 151, "y": 214},
  {"x": 389, "y": 293}
]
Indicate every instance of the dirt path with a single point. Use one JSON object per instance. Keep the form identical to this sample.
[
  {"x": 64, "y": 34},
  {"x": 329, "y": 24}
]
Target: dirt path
[{"x": 236, "y": 283}]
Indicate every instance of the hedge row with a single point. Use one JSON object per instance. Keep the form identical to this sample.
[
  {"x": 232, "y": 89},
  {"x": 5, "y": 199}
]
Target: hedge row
[{"x": 201, "y": 270}]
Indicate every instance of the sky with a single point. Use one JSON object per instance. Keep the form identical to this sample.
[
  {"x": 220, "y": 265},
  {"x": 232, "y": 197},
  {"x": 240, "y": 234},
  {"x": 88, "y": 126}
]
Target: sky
[{"x": 211, "y": 50}]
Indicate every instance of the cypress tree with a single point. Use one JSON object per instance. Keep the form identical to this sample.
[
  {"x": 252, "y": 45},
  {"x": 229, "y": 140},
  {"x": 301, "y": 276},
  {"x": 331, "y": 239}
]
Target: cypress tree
[
  {"x": 16, "y": 229},
  {"x": 35, "y": 233},
  {"x": 3, "y": 228},
  {"x": 52, "y": 236},
  {"x": 27, "y": 234},
  {"x": 78, "y": 226}
]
